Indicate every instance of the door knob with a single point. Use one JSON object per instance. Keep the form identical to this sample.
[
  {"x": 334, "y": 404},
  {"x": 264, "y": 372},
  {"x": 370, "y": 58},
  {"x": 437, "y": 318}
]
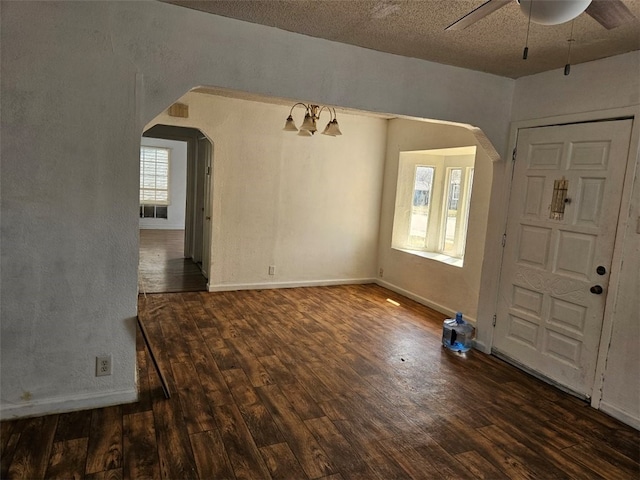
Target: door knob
[
  {"x": 601, "y": 270},
  {"x": 597, "y": 289}
]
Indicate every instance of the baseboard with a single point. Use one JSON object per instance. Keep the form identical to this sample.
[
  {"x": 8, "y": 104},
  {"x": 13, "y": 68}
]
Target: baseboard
[
  {"x": 67, "y": 404},
  {"x": 621, "y": 415},
  {"x": 271, "y": 285},
  {"x": 481, "y": 346},
  {"x": 424, "y": 301}
]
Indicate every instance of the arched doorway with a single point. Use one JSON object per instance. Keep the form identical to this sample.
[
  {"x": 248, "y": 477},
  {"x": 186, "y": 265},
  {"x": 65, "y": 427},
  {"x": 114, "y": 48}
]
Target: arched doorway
[{"x": 177, "y": 260}]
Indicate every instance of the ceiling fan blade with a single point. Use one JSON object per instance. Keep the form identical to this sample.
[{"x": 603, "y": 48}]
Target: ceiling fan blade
[
  {"x": 609, "y": 13},
  {"x": 479, "y": 13}
]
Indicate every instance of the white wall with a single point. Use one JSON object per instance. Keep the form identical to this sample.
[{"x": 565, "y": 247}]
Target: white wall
[
  {"x": 177, "y": 185},
  {"x": 309, "y": 206},
  {"x": 79, "y": 82},
  {"x": 604, "y": 89},
  {"x": 444, "y": 287}
]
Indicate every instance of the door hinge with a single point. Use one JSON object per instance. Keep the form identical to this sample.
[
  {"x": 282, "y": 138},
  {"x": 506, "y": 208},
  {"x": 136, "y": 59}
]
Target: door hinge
[
  {"x": 494, "y": 320},
  {"x": 504, "y": 239},
  {"x": 513, "y": 156}
]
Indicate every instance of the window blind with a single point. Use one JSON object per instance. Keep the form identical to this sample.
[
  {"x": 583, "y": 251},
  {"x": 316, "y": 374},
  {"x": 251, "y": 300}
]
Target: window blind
[{"x": 154, "y": 176}]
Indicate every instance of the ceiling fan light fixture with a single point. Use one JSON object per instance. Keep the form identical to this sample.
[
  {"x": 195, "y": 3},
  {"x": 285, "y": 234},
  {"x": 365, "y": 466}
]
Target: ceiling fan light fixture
[{"x": 553, "y": 12}]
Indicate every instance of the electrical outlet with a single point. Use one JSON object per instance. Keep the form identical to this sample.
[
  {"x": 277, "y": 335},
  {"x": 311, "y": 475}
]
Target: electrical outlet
[
  {"x": 272, "y": 269},
  {"x": 103, "y": 365},
  {"x": 381, "y": 272}
]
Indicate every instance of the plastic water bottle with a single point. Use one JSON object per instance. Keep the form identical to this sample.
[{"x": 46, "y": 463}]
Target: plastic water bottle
[{"x": 457, "y": 335}]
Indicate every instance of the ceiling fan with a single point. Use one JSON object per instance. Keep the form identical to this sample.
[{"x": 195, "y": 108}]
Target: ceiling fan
[{"x": 608, "y": 13}]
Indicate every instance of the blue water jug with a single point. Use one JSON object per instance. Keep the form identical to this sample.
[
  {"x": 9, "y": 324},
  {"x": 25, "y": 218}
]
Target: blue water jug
[{"x": 457, "y": 335}]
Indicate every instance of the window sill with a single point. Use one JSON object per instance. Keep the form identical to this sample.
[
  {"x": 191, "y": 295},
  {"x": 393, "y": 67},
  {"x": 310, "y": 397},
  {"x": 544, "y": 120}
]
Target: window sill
[{"x": 438, "y": 257}]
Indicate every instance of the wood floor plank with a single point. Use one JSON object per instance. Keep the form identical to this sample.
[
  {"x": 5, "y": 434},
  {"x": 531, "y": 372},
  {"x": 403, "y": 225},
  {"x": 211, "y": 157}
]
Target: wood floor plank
[
  {"x": 415, "y": 465},
  {"x": 603, "y": 460},
  {"x": 245, "y": 458},
  {"x": 343, "y": 456},
  {"x": 174, "y": 447},
  {"x": 257, "y": 418},
  {"x": 276, "y": 370},
  {"x": 312, "y": 458},
  {"x": 445, "y": 464},
  {"x": 105, "y": 440},
  {"x": 6, "y": 430},
  {"x": 301, "y": 400},
  {"x": 543, "y": 440},
  {"x": 162, "y": 266},
  {"x": 28, "y": 462},
  {"x": 193, "y": 401},
  {"x": 492, "y": 453},
  {"x": 175, "y": 345},
  {"x": 320, "y": 382},
  {"x": 115, "y": 474},
  {"x": 68, "y": 459},
  {"x": 7, "y": 454},
  {"x": 536, "y": 466},
  {"x": 140, "y": 447},
  {"x": 211, "y": 456},
  {"x": 221, "y": 353},
  {"x": 479, "y": 466},
  {"x": 282, "y": 463},
  {"x": 209, "y": 375},
  {"x": 250, "y": 364}
]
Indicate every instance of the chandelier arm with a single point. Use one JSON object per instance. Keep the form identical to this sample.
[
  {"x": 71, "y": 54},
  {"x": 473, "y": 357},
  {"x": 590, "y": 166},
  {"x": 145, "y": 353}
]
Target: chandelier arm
[
  {"x": 324, "y": 108},
  {"x": 296, "y": 104}
]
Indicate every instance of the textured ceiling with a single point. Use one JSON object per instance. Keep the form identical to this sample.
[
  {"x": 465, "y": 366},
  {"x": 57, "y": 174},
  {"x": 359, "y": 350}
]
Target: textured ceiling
[{"x": 416, "y": 28}]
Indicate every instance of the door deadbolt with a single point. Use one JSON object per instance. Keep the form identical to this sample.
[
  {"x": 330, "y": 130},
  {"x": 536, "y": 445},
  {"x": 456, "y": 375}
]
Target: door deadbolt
[
  {"x": 596, "y": 289},
  {"x": 601, "y": 270}
]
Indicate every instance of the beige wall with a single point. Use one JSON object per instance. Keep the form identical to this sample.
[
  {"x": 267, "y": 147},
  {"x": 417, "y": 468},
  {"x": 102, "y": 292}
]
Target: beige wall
[
  {"x": 309, "y": 206},
  {"x": 444, "y": 287},
  {"x": 80, "y": 80}
]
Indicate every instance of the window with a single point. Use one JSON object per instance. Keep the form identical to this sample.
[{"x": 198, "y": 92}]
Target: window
[
  {"x": 153, "y": 211},
  {"x": 154, "y": 176},
  {"x": 422, "y": 187},
  {"x": 433, "y": 198}
]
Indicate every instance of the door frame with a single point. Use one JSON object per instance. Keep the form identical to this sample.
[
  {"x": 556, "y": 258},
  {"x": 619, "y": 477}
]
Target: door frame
[
  {"x": 622, "y": 221},
  {"x": 196, "y": 204}
]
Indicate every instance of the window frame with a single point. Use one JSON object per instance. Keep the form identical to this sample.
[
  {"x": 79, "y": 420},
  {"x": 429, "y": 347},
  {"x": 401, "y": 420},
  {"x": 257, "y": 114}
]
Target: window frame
[
  {"x": 443, "y": 161},
  {"x": 155, "y": 201}
]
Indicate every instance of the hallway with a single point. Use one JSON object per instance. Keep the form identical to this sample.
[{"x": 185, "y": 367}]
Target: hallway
[{"x": 162, "y": 267}]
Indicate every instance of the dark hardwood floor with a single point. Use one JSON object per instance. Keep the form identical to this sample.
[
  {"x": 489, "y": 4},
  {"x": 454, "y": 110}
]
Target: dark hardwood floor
[
  {"x": 162, "y": 267},
  {"x": 323, "y": 382}
]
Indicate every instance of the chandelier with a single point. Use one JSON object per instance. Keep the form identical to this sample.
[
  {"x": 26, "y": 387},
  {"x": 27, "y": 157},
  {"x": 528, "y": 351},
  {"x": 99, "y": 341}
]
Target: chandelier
[{"x": 312, "y": 115}]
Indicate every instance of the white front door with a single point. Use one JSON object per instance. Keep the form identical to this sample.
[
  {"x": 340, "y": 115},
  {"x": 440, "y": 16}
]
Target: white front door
[{"x": 556, "y": 264}]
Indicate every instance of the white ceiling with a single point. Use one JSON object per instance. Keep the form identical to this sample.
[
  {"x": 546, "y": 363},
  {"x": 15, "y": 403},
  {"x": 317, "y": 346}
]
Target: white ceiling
[{"x": 416, "y": 28}]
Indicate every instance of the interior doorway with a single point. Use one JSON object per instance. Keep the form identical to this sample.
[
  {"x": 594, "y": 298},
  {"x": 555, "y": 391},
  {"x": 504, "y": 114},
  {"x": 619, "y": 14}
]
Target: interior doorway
[{"x": 177, "y": 259}]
